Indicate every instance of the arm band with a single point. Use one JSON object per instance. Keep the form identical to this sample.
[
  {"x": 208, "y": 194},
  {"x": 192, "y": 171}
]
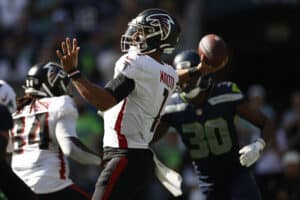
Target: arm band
[
  {"x": 74, "y": 74},
  {"x": 120, "y": 87}
]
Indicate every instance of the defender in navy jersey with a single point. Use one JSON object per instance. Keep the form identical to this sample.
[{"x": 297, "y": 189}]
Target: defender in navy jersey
[{"x": 204, "y": 114}]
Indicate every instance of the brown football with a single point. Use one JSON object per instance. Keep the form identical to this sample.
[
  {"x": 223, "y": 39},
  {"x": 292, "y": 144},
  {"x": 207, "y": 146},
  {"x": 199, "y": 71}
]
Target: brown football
[{"x": 214, "y": 50}]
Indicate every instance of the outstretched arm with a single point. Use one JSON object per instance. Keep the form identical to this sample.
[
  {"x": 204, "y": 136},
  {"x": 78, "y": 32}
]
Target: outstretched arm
[
  {"x": 259, "y": 119},
  {"x": 92, "y": 93},
  {"x": 251, "y": 152}
]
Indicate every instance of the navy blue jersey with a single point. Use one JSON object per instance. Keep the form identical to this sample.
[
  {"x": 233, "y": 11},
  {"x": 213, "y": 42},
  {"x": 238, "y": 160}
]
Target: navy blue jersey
[{"x": 209, "y": 132}]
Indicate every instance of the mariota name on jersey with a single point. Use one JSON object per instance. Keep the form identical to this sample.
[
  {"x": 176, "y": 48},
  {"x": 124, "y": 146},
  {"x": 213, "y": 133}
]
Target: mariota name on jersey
[
  {"x": 226, "y": 92},
  {"x": 167, "y": 79}
]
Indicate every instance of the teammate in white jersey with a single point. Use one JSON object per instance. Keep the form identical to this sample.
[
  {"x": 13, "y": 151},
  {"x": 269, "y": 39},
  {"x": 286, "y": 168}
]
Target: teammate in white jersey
[
  {"x": 132, "y": 101},
  {"x": 44, "y": 133},
  {"x": 10, "y": 184}
]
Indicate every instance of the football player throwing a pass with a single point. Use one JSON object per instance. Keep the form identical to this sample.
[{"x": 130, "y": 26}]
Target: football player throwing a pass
[{"x": 132, "y": 101}]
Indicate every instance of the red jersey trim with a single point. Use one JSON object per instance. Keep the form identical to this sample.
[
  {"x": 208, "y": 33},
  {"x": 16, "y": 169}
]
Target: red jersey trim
[
  {"x": 121, "y": 138},
  {"x": 62, "y": 170},
  {"x": 80, "y": 191}
]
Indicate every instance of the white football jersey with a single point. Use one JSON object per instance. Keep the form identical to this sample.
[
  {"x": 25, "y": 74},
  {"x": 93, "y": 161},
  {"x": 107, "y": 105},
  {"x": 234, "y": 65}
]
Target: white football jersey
[
  {"x": 132, "y": 122},
  {"x": 37, "y": 158}
]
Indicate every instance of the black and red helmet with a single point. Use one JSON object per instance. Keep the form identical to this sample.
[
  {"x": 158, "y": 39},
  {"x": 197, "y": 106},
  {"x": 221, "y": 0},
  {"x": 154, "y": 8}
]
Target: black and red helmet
[
  {"x": 47, "y": 79},
  {"x": 152, "y": 30}
]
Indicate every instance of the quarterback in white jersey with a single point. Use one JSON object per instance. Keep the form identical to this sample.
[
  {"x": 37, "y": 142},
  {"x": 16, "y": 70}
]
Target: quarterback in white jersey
[
  {"x": 130, "y": 124},
  {"x": 132, "y": 101},
  {"x": 44, "y": 134}
]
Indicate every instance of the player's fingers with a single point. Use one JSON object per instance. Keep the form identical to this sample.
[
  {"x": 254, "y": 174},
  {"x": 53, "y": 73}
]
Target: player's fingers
[
  {"x": 243, "y": 150},
  {"x": 68, "y": 43},
  {"x": 59, "y": 54},
  {"x": 78, "y": 48},
  {"x": 242, "y": 163},
  {"x": 63, "y": 47},
  {"x": 245, "y": 161},
  {"x": 76, "y": 52},
  {"x": 74, "y": 45},
  {"x": 249, "y": 163},
  {"x": 243, "y": 157}
]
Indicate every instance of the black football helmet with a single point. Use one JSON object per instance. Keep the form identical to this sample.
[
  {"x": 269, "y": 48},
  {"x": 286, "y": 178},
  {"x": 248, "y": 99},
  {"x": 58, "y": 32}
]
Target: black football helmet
[
  {"x": 152, "y": 30},
  {"x": 46, "y": 80},
  {"x": 188, "y": 59}
]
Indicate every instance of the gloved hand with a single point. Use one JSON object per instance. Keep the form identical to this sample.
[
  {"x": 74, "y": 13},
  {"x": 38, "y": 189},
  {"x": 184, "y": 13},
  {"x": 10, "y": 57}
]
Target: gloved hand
[{"x": 251, "y": 153}]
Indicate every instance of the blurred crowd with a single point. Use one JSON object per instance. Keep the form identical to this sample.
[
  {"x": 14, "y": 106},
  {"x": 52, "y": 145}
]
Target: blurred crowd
[{"x": 30, "y": 32}]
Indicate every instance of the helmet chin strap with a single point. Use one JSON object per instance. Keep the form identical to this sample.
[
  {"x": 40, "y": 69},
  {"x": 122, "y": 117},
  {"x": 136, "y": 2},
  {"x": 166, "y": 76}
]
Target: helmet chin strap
[{"x": 168, "y": 50}]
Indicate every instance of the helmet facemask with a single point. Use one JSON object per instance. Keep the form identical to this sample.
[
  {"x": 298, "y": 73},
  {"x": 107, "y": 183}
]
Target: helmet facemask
[
  {"x": 152, "y": 30},
  {"x": 136, "y": 38},
  {"x": 186, "y": 60}
]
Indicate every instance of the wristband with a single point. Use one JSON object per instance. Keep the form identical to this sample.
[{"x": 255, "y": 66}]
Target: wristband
[
  {"x": 261, "y": 143},
  {"x": 194, "y": 72},
  {"x": 74, "y": 74}
]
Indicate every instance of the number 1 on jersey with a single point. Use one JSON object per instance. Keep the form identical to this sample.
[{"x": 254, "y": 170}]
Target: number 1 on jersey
[{"x": 156, "y": 119}]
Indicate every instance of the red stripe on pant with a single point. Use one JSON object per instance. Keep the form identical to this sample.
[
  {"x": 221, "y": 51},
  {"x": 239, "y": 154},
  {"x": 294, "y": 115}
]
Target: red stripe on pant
[
  {"x": 114, "y": 177},
  {"x": 79, "y": 190}
]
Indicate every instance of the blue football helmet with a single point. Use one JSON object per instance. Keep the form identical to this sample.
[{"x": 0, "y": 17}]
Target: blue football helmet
[{"x": 189, "y": 59}]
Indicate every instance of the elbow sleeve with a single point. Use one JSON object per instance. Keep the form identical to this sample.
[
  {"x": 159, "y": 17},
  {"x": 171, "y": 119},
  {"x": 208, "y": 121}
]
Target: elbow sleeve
[{"x": 120, "y": 87}]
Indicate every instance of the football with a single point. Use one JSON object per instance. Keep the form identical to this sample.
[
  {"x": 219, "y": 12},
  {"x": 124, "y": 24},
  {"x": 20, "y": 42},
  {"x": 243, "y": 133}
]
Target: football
[{"x": 214, "y": 50}]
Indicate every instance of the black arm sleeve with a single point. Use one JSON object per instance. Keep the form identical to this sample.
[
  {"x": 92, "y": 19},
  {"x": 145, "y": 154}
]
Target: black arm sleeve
[{"x": 120, "y": 87}]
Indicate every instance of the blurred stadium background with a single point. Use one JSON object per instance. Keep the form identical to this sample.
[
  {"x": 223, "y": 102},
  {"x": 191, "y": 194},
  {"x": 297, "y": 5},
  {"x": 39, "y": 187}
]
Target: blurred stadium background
[{"x": 263, "y": 39}]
